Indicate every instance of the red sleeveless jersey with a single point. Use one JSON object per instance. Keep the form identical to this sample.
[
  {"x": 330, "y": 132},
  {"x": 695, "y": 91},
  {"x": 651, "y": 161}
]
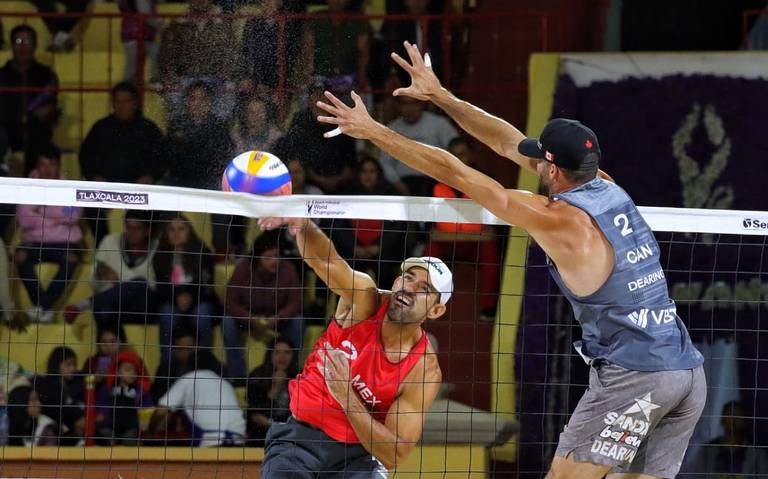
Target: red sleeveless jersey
[{"x": 374, "y": 378}]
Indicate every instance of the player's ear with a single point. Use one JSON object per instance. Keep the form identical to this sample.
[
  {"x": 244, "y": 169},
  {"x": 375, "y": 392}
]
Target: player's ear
[{"x": 436, "y": 311}]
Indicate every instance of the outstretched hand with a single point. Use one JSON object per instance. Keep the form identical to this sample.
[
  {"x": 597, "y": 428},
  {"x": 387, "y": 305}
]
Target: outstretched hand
[
  {"x": 353, "y": 121},
  {"x": 294, "y": 224},
  {"x": 424, "y": 82}
]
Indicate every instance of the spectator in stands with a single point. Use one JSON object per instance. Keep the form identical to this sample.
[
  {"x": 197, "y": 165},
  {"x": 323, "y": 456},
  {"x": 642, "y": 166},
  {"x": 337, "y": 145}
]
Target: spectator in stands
[
  {"x": 198, "y": 46},
  {"x": 267, "y": 391},
  {"x": 61, "y": 28},
  {"x": 337, "y": 46},
  {"x": 127, "y": 390},
  {"x": 733, "y": 454},
  {"x": 62, "y": 393},
  {"x": 255, "y": 127},
  {"x": 329, "y": 162},
  {"x": 49, "y": 234},
  {"x": 263, "y": 299},
  {"x": 191, "y": 381},
  {"x": 299, "y": 184},
  {"x": 198, "y": 149},
  {"x": 123, "y": 279},
  {"x": 132, "y": 32},
  {"x": 474, "y": 244},
  {"x": 375, "y": 246},
  {"x": 425, "y": 127},
  {"x": 110, "y": 340},
  {"x": 395, "y": 32},
  {"x": 125, "y": 146},
  {"x": 184, "y": 269},
  {"x": 199, "y": 146},
  {"x": 211, "y": 406},
  {"x": 28, "y": 426},
  {"x": 28, "y": 117},
  {"x": 259, "y": 58},
  {"x": 185, "y": 357}
]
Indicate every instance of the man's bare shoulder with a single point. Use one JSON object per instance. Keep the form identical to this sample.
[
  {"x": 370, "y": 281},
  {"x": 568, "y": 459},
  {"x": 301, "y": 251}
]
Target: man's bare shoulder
[
  {"x": 367, "y": 303},
  {"x": 425, "y": 371}
]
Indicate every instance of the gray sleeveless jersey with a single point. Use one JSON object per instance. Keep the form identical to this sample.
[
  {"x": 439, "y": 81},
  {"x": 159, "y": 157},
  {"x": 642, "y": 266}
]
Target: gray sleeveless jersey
[{"x": 630, "y": 320}]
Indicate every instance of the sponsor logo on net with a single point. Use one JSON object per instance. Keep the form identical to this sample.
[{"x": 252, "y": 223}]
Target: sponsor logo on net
[
  {"x": 326, "y": 208},
  {"x": 116, "y": 197},
  {"x": 623, "y": 433},
  {"x": 659, "y": 316},
  {"x": 754, "y": 224}
]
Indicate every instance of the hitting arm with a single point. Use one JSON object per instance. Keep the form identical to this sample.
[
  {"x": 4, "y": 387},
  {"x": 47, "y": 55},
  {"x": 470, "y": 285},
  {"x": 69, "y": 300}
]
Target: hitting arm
[{"x": 320, "y": 254}]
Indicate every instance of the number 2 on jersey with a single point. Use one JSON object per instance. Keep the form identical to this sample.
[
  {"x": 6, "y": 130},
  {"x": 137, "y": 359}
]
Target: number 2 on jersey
[{"x": 621, "y": 221}]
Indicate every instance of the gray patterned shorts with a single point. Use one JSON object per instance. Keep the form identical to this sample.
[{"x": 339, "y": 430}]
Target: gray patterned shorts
[{"x": 637, "y": 422}]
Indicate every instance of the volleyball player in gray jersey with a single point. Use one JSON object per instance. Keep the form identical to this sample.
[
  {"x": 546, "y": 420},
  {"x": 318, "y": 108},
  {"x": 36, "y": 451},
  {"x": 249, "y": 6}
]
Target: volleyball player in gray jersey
[{"x": 646, "y": 384}]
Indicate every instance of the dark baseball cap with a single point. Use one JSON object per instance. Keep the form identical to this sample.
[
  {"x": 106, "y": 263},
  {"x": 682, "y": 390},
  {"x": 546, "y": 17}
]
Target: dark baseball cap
[{"x": 566, "y": 143}]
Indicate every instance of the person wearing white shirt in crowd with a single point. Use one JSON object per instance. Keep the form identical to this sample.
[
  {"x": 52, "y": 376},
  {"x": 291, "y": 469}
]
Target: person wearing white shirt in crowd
[
  {"x": 422, "y": 126},
  {"x": 210, "y": 404},
  {"x": 124, "y": 278}
]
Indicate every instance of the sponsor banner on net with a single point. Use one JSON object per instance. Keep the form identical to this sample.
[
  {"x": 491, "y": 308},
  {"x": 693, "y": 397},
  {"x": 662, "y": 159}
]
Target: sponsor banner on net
[
  {"x": 755, "y": 224},
  {"x": 326, "y": 208},
  {"x": 114, "y": 197}
]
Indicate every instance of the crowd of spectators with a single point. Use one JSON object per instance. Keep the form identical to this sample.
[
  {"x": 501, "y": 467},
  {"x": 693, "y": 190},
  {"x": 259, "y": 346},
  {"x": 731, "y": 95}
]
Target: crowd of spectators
[{"x": 220, "y": 99}]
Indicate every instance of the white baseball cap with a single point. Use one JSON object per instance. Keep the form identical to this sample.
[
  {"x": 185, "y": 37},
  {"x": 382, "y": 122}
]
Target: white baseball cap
[{"x": 440, "y": 277}]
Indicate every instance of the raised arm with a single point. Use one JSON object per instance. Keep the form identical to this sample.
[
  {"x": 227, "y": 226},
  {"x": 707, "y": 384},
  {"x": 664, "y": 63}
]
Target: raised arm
[
  {"x": 320, "y": 254},
  {"x": 498, "y": 134},
  {"x": 522, "y": 208},
  {"x": 495, "y": 132}
]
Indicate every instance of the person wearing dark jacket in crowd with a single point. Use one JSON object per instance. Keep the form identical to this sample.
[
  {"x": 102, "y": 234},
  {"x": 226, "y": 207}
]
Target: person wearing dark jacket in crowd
[
  {"x": 62, "y": 393},
  {"x": 28, "y": 117},
  {"x": 198, "y": 144},
  {"x": 185, "y": 357},
  {"x": 329, "y": 162},
  {"x": 124, "y": 146},
  {"x": 184, "y": 273},
  {"x": 267, "y": 390},
  {"x": 263, "y": 298},
  {"x": 27, "y": 425}
]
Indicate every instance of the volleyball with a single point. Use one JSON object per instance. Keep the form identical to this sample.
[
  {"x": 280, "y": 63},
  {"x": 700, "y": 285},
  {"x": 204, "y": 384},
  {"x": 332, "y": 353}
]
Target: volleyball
[{"x": 257, "y": 172}]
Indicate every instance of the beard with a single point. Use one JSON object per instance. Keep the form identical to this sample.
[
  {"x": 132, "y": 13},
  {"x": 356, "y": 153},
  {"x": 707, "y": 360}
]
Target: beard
[
  {"x": 545, "y": 186},
  {"x": 401, "y": 314}
]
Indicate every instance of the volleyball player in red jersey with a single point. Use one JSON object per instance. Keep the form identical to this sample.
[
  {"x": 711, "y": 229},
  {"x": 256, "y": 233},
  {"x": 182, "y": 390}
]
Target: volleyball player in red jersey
[{"x": 359, "y": 405}]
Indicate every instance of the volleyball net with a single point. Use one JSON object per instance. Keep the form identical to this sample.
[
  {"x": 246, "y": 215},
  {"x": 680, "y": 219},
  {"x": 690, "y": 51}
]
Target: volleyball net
[{"x": 115, "y": 294}]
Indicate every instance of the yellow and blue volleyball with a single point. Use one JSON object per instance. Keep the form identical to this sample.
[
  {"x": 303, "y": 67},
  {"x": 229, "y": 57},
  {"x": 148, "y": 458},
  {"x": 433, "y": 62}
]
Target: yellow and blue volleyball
[{"x": 257, "y": 172}]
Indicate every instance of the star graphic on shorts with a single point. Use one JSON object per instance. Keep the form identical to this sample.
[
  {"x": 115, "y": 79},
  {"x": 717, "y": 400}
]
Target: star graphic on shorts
[{"x": 643, "y": 405}]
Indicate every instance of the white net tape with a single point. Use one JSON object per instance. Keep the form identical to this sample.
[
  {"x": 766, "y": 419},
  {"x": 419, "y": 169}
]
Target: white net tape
[{"x": 395, "y": 208}]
